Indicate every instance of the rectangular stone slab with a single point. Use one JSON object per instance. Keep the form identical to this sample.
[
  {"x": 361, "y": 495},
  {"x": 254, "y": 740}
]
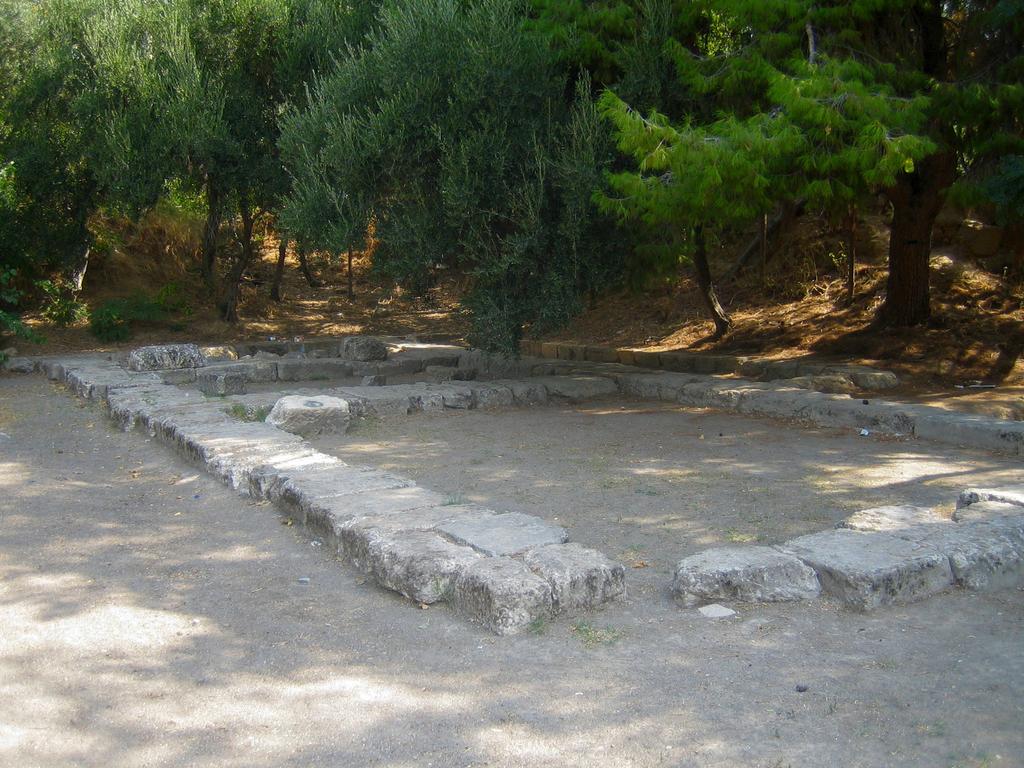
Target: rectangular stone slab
[
  {"x": 868, "y": 569},
  {"x": 507, "y": 534},
  {"x": 419, "y": 564},
  {"x": 893, "y": 517},
  {"x": 746, "y": 574},
  {"x": 502, "y": 594},
  {"x": 580, "y": 578},
  {"x": 982, "y": 554},
  {"x": 355, "y": 534}
]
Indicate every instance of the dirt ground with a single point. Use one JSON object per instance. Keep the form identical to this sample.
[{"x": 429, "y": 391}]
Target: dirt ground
[
  {"x": 651, "y": 483},
  {"x": 150, "y": 617}
]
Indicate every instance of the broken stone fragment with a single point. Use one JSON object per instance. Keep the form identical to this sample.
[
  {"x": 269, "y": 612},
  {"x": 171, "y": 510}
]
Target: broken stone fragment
[
  {"x": 745, "y": 574},
  {"x": 363, "y": 349},
  {"x": 164, "y": 356},
  {"x": 313, "y": 415},
  {"x": 1007, "y": 494},
  {"x": 18, "y": 365}
]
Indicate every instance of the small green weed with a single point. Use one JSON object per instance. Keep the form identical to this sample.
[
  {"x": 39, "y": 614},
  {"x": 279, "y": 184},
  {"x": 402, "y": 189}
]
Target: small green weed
[
  {"x": 453, "y": 500},
  {"x": 592, "y": 636},
  {"x": 538, "y": 626},
  {"x": 242, "y": 413}
]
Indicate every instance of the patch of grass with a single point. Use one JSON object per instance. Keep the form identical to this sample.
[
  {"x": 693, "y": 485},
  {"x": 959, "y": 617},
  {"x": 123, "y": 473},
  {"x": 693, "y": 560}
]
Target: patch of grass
[
  {"x": 538, "y": 626},
  {"x": 592, "y": 636},
  {"x": 453, "y": 500},
  {"x": 647, "y": 492},
  {"x": 240, "y": 412}
]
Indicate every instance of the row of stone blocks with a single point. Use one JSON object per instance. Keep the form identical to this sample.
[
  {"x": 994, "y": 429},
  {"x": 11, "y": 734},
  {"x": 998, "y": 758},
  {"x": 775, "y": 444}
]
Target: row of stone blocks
[
  {"x": 863, "y": 376},
  {"x": 504, "y": 571},
  {"x": 882, "y": 556}
]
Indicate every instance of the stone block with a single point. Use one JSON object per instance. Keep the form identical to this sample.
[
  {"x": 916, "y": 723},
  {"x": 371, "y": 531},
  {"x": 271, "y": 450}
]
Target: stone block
[
  {"x": 578, "y": 388},
  {"x": 987, "y": 510},
  {"x": 162, "y": 356},
  {"x": 492, "y": 394},
  {"x": 874, "y": 381},
  {"x": 982, "y": 554},
  {"x": 313, "y": 415},
  {"x": 502, "y": 594},
  {"x": 18, "y": 365},
  {"x": 313, "y": 369},
  {"x": 219, "y": 354},
  {"x": 893, "y": 517},
  {"x": 1008, "y": 494},
  {"x": 866, "y": 570},
  {"x": 680, "y": 362},
  {"x": 601, "y": 355},
  {"x": 440, "y": 372},
  {"x": 526, "y": 392},
  {"x": 355, "y": 533},
  {"x": 646, "y": 359},
  {"x": 510, "y": 533},
  {"x": 745, "y": 574},
  {"x": 363, "y": 349},
  {"x": 221, "y": 383},
  {"x": 419, "y": 564},
  {"x": 374, "y": 381},
  {"x": 580, "y": 578},
  {"x": 253, "y": 370}
]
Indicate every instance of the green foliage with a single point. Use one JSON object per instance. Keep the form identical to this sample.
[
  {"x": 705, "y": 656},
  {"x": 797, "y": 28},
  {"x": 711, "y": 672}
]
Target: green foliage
[
  {"x": 448, "y": 129},
  {"x": 1005, "y": 188},
  {"x": 116, "y": 319},
  {"x": 10, "y": 322},
  {"x": 60, "y": 304}
]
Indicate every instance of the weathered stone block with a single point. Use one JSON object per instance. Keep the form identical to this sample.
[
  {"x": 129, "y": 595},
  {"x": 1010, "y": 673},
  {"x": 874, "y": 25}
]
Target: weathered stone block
[
  {"x": 363, "y": 349},
  {"x": 579, "y": 578},
  {"x": 869, "y": 569},
  {"x": 987, "y": 510},
  {"x": 982, "y": 554},
  {"x": 311, "y": 369},
  {"x": 506, "y": 534},
  {"x": 218, "y": 354},
  {"x": 221, "y": 383},
  {"x": 355, "y": 533},
  {"x": 162, "y": 356},
  {"x": 1008, "y": 494},
  {"x": 578, "y": 388},
  {"x": 421, "y": 565},
  {"x": 374, "y": 381},
  {"x": 892, "y": 517},
  {"x": 310, "y": 415},
  {"x": 502, "y": 594},
  {"x": 746, "y": 574},
  {"x": 874, "y": 380},
  {"x": 18, "y": 365}
]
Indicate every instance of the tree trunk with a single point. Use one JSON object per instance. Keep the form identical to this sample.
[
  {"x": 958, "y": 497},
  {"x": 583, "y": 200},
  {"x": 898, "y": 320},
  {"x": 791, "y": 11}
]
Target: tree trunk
[
  {"x": 707, "y": 287},
  {"x": 78, "y": 269},
  {"x": 230, "y": 306},
  {"x": 849, "y": 233},
  {"x": 351, "y": 289},
  {"x": 916, "y": 199},
  {"x": 282, "y": 252},
  {"x": 304, "y": 266},
  {"x": 210, "y": 230}
]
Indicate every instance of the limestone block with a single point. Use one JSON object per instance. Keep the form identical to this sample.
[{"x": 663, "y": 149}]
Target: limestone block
[
  {"x": 868, "y": 569},
  {"x": 363, "y": 349},
  {"x": 982, "y": 554},
  {"x": 421, "y": 565},
  {"x": 18, "y": 365},
  {"x": 312, "y": 415},
  {"x": 580, "y": 578},
  {"x": 1008, "y": 494},
  {"x": 745, "y": 574},
  {"x": 502, "y": 594},
  {"x": 312, "y": 369},
  {"x": 163, "y": 356},
  {"x": 221, "y": 383},
  {"x": 892, "y": 517},
  {"x": 510, "y": 533},
  {"x": 987, "y": 510}
]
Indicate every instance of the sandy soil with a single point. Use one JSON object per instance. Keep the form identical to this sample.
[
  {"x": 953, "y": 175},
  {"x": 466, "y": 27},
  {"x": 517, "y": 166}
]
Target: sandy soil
[
  {"x": 150, "y": 617},
  {"x": 652, "y": 483}
]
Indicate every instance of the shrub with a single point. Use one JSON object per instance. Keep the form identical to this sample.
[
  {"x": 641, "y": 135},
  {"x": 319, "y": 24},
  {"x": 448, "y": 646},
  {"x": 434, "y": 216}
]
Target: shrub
[{"x": 60, "y": 305}]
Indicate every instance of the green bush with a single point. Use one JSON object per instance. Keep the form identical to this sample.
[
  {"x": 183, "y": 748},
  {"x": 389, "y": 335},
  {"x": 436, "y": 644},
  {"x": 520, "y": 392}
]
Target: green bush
[
  {"x": 449, "y": 129},
  {"x": 10, "y": 322},
  {"x": 115, "y": 319},
  {"x": 60, "y": 305}
]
